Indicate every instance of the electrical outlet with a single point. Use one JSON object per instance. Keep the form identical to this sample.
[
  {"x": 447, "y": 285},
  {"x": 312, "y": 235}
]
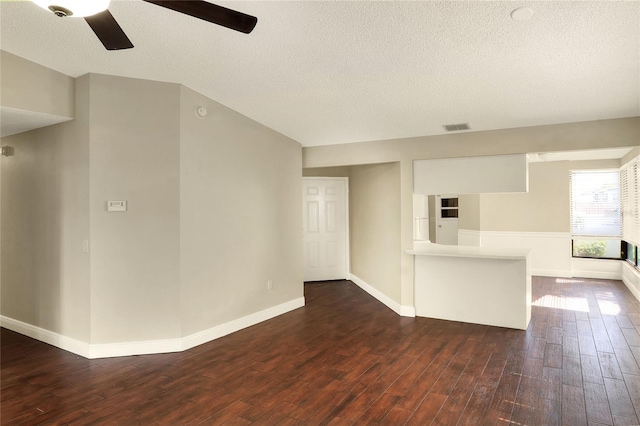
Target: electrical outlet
[{"x": 269, "y": 285}]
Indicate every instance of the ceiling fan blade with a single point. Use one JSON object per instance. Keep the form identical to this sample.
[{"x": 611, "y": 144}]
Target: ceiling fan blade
[
  {"x": 108, "y": 31},
  {"x": 211, "y": 12}
]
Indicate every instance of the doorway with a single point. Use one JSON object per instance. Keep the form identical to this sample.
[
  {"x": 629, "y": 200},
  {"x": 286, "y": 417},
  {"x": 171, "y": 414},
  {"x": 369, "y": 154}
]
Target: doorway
[{"x": 325, "y": 224}]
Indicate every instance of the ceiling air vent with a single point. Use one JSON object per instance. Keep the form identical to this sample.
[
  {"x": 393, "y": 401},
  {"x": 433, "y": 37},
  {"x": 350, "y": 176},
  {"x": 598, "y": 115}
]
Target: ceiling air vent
[{"x": 456, "y": 127}]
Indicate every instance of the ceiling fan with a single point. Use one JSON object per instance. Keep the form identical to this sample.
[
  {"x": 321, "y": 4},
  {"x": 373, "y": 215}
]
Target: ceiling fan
[{"x": 104, "y": 25}]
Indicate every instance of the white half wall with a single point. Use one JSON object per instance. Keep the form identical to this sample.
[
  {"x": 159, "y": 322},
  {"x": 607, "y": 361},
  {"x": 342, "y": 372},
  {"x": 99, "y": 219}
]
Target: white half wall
[
  {"x": 631, "y": 278},
  {"x": 596, "y": 268},
  {"x": 468, "y": 237},
  {"x": 550, "y": 251}
]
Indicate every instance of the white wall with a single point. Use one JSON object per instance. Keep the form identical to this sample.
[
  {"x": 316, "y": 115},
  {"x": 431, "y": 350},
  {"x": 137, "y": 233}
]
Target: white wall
[
  {"x": 241, "y": 215},
  {"x": 374, "y": 210},
  {"x": 135, "y": 255},
  {"x": 45, "y": 219},
  {"x": 214, "y": 210}
]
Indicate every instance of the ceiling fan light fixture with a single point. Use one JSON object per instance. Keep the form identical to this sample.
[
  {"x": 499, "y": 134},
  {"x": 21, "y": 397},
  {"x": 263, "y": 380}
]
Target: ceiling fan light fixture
[{"x": 75, "y": 8}]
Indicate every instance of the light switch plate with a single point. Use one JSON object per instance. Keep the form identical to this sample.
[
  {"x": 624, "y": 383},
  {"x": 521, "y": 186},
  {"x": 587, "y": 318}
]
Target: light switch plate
[{"x": 116, "y": 206}]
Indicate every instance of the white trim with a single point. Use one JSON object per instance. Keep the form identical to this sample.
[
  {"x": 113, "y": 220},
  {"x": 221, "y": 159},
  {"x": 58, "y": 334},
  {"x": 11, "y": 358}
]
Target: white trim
[
  {"x": 58, "y": 340},
  {"x": 221, "y": 330},
  {"x": 561, "y": 235},
  {"x": 577, "y": 273},
  {"x": 407, "y": 311},
  {"x": 402, "y": 310},
  {"x": 558, "y": 273},
  {"x": 347, "y": 238},
  {"x": 144, "y": 347},
  {"x": 107, "y": 350}
]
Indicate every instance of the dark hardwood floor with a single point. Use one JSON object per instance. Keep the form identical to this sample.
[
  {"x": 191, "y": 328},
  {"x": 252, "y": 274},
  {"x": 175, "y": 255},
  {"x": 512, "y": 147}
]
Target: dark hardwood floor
[{"x": 347, "y": 359}]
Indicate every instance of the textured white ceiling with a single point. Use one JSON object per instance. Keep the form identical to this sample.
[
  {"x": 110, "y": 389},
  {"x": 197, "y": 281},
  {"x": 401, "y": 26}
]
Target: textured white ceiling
[{"x": 327, "y": 72}]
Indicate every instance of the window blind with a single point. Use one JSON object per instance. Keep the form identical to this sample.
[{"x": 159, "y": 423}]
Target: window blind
[
  {"x": 595, "y": 203},
  {"x": 629, "y": 183}
]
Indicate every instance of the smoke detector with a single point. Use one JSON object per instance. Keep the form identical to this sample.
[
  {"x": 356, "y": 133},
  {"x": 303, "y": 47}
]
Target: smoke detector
[{"x": 521, "y": 14}]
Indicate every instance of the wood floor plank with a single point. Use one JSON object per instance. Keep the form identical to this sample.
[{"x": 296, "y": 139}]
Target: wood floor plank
[
  {"x": 551, "y": 412},
  {"x": 553, "y": 356},
  {"x": 396, "y": 416},
  {"x": 591, "y": 372},
  {"x": 587, "y": 346},
  {"x": 571, "y": 371},
  {"x": 345, "y": 359},
  {"x": 609, "y": 365},
  {"x": 527, "y": 407},
  {"x": 428, "y": 410},
  {"x": 483, "y": 393},
  {"x": 597, "y": 404},
  {"x": 633, "y": 387},
  {"x": 550, "y": 384},
  {"x": 632, "y": 336},
  {"x": 627, "y": 362},
  {"x": 570, "y": 346},
  {"x": 573, "y": 405},
  {"x": 619, "y": 399}
]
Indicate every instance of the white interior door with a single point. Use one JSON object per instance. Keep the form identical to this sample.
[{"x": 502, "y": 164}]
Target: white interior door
[{"x": 325, "y": 228}]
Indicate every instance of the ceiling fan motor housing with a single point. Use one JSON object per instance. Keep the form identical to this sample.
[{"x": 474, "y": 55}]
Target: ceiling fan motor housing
[
  {"x": 73, "y": 8},
  {"x": 60, "y": 11}
]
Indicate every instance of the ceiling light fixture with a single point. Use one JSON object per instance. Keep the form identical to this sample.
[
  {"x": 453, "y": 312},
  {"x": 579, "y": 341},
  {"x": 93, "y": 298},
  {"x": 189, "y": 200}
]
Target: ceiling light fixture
[
  {"x": 75, "y": 8},
  {"x": 521, "y": 13}
]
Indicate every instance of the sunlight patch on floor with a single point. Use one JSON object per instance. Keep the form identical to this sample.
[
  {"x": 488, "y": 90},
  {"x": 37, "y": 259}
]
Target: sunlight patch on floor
[
  {"x": 608, "y": 307},
  {"x": 569, "y": 281},
  {"x": 578, "y": 304}
]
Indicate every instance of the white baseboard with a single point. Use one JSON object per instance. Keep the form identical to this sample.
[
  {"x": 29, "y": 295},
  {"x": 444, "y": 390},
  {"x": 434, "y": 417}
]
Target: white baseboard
[
  {"x": 407, "y": 311},
  {"x": 558, "y": 273},
  {"x": 108, "y": 350},
  {"x": 240, "y": 323},
  {"x": 144, "y": 347},
  {"x": 402, "y": 310},
  {"x": 58, "y": 340},
  {"x": 576, "y": 273}
]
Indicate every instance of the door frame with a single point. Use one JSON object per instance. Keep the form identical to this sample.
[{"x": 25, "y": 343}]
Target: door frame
[{"x": 347, "y": 239}]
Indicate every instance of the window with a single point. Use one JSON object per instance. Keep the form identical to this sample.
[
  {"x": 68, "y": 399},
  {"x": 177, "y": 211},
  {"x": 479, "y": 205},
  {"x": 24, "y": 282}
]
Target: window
[
  {"x": 630, "y": 253},
  {"x": 596, "y": 224}
]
